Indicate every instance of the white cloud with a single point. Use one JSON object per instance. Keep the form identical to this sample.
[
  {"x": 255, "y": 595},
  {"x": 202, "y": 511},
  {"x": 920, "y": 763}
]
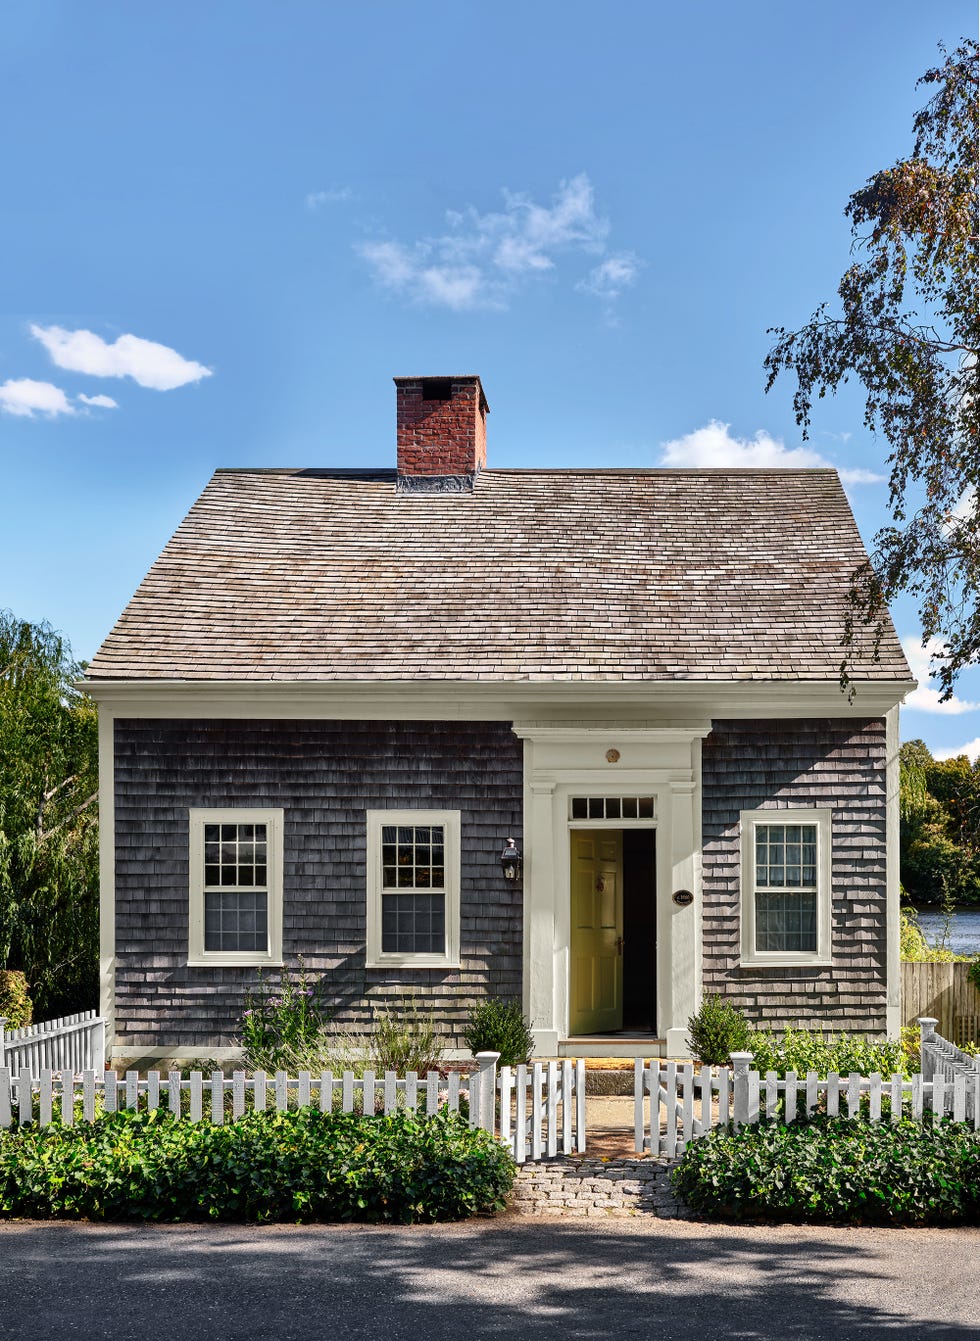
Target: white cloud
[
  {"x": 24, "y": 397},
  {"x": 611, "y": 276},
  {"x": 103, "y": 402},
  {"x": 857, "y": 475},
  {"x": 149, "y": 364},
  {"x": 715, "y": 446},
  {"x": 925, "y": 698},
  {"x": 482, "y": 259},
  {"x": 336, "y": 195},
  {"x": 971, "y": 749}
]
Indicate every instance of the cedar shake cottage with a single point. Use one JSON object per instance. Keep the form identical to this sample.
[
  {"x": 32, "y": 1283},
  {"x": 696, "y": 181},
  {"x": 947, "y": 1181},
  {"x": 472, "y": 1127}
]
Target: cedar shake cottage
[{"x": 339, "y": 693}]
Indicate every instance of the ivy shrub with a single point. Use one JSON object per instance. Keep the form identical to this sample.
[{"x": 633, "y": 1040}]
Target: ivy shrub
[
  {"x": 836, "y": 1169},
  {"x": 302, "y": 1165},
  {"x": 15, "y": 999}
]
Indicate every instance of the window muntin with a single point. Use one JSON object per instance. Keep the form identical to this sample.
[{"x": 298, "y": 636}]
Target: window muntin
[
  {"x": 236, "y": 918},
  {"x": 413, "y": 858},
  {"x": 786, "y": 895},
  {"x": 611, "y": 807},
  {"x": 413, "y": 888},
  {"x": 235, "y": 886},
  {"x": 786, "y": 888}
]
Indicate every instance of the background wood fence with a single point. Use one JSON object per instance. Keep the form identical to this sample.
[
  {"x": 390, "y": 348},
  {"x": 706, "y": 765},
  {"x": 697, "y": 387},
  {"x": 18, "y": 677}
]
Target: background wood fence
[{"x": 944, "y": 993}]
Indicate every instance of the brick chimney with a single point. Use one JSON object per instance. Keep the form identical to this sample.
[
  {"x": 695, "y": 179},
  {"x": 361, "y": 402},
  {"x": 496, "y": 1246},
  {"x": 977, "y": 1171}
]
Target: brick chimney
[{"x": 442, "y": 433}]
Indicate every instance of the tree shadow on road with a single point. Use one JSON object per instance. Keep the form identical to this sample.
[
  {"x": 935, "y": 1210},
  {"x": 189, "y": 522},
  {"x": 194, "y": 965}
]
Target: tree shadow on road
[{"x": 510, "y": 1278}]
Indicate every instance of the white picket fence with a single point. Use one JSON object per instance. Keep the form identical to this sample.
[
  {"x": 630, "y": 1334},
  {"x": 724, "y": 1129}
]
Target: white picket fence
[
  {"x": 677, "y": 1103},
  {"x": 74, "y": 1042},
  {"x": 536, "y": 1111},
  {"x": 939, "y": 1057}
]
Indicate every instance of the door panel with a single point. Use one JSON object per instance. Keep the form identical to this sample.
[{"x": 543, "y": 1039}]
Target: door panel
[{"x": 597, "y": 930}]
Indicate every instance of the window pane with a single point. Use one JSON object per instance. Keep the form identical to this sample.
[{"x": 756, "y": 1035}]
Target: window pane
[
  {"x": 236, "y": 920},
  {"x": 580, "y": 808},
  {"x": 413, "y": 924},
  {"x": 786, "y": 856},
  {"x": 629, "y": 807},
  {"x": 785, "y": 923}
]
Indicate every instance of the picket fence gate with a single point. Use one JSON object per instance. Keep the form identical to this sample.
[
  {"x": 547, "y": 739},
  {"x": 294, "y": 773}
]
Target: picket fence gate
[
  {"x": 536, "y": 1111},
  {"x": 677, "y": 1103},
  {"x": 73, "y": 1042}
]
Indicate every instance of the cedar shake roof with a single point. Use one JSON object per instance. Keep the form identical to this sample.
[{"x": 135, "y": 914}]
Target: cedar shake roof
[{"x": 602, "y": 575}]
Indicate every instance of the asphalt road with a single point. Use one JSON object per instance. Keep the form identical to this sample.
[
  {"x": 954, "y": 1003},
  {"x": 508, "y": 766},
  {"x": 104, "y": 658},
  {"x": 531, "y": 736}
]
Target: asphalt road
[{"x": 505, "y": 1278}]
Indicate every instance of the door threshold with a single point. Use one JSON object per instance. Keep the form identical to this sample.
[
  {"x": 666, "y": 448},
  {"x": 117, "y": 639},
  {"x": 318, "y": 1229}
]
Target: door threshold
[{"x": 630, "y": 1044}]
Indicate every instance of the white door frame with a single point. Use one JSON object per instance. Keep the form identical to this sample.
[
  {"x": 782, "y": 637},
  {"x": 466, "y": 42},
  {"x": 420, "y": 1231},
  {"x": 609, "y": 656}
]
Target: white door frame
[{"x": 598, "y": 759}]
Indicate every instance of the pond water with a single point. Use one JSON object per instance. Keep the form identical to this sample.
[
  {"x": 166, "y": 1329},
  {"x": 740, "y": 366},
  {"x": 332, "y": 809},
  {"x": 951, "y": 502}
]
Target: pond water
[{"x": 964, "y": 929}]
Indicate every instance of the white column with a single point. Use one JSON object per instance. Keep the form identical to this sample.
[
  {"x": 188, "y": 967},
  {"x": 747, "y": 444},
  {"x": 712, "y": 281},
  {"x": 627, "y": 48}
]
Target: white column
[
  {"x": 107, "y": 875},
  {"x": 684, "y": 957},
  {"x": 539, "y": 914}
]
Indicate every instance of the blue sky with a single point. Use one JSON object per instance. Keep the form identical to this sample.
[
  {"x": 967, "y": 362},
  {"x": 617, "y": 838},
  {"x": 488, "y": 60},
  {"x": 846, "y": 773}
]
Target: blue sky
[{"x": 227, "y": 226}]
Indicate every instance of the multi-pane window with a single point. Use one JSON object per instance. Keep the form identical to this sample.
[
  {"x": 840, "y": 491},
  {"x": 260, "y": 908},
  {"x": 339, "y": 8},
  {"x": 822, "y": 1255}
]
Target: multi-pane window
[
  {"x": 786, "y": 888},
  {"x": 786, "y": 896},
  {"x": 235, "y": 886},
  {"x": 236, "y": 891},
  {"x": 413, "y": 888},
  {"x": 611, "y": 807}
]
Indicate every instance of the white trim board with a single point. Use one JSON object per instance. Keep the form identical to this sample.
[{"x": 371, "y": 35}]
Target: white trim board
[{"x": 634, "y": 703}]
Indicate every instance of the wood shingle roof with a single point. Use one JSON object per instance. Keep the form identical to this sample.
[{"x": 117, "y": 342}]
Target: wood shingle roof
[{"x": 607, "y": 575}]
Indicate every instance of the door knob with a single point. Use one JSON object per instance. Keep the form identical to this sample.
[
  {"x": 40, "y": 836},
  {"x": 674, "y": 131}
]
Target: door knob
[{"x": 620, "y": 942}]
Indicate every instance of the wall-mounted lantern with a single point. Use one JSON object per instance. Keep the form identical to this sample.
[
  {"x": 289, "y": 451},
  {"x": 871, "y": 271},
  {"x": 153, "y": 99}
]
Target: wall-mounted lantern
[{"x": 510, "y": 861}]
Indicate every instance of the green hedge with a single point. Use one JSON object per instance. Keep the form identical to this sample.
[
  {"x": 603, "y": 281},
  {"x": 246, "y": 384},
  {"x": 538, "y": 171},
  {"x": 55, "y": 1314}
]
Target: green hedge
[
  {"x": 300, "y": 1165},
  {"x": 836, "y": 1169}
]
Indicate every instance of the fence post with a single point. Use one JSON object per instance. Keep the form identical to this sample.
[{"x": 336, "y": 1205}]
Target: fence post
[
  {"x": 3, "y": 1040},
  {"x": 487, "y": 1093},
  {"x": 927, "y": 1035},
  {"x": 741, "y": 1061}
]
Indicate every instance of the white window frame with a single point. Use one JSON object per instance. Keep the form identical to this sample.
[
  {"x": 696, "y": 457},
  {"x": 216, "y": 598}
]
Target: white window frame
[
  {"x": 197, "y": 956},
  {"x": 450, "y": 821},
  {"x": 749, "y": 820}
]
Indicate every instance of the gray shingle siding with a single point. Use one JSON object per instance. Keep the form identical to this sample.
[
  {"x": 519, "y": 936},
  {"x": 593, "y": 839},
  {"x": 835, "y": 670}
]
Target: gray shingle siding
[
  {"x": 324, "y": 775},
  {"x": 836, "y": 763}
]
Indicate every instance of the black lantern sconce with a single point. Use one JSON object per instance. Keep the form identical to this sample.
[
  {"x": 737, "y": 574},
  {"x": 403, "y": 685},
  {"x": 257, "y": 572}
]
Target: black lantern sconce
[{"x": 510, "y": 861}]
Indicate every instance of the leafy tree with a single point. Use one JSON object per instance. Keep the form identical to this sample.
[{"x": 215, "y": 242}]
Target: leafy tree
[
  {"x": 908, "y": 328},
  {"x": 48, "y": 818},
  {"x": 940, "y": 807}
]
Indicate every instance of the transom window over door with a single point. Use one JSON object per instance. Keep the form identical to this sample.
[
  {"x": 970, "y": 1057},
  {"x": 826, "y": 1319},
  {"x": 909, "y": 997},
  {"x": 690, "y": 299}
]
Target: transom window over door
[
  {"x": 235, "y": 886},
  {"x": 413, "y": 888},
  {"x": 786, "y": 894}
]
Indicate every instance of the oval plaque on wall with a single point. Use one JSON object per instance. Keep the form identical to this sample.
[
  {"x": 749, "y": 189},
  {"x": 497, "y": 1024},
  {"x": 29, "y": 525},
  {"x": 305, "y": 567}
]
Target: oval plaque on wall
[{"x": 682, "y": 897}]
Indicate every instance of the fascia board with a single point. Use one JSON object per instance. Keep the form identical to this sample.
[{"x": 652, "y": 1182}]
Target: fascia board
[{"x": 655, "y": 702}]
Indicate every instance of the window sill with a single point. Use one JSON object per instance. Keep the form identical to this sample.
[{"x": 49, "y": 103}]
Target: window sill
[
  {"x": 412, "y": 962},
  {"x": 788, "y": 961},
  {"x": 235, "y": 961}
]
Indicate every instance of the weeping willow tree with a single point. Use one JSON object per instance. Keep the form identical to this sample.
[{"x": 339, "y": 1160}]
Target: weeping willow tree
[{"x": 49, "y": 885}]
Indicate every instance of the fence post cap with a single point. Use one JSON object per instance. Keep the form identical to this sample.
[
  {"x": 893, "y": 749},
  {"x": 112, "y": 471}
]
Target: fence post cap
[
  {"x": 487, "y": 1058},
  {"x": 741, "y": 1058},
  {"x": 926, "y": 1020}
]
